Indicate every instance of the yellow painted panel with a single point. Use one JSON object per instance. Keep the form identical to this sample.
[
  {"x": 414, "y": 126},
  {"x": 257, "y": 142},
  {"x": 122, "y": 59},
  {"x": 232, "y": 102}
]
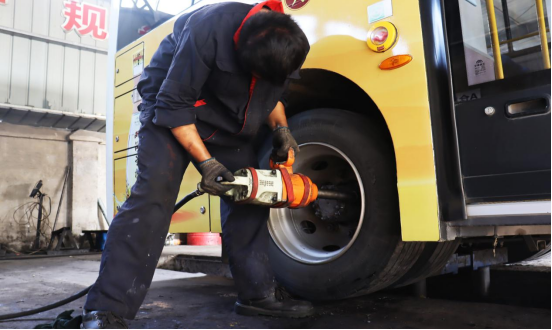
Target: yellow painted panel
[
  {"x": 215, "y": 214},
  {"x": 122, "y": 116},
  {"x": 150, "y": 42},
  {"x": 337, "y": 31},
  {"x": 189, "y": 219},
  {"x": 123, "y": 153},
  {"x": 119, "y": 184},
  {"x": 125, "y": 64},
  {"x": 124, "y": 88}
]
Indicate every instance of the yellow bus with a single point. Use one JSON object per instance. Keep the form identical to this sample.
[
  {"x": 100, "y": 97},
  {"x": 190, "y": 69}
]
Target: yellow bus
[{"x": 436, "y": 114}]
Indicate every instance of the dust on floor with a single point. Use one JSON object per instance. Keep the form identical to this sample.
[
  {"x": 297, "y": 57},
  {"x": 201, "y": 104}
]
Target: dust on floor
[{"x": 184, "y": 300}]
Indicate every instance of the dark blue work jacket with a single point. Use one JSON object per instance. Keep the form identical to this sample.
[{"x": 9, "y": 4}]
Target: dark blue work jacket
[{"x": 194, "y": 78}]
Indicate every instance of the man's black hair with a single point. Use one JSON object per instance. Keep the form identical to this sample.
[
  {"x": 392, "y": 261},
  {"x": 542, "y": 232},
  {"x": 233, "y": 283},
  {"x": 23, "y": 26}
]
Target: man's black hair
[{"x": 272, "y": 46}]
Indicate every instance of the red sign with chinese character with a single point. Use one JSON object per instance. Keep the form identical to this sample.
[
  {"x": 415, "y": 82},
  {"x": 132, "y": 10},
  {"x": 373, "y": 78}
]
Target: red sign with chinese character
[{"x": 85, "y": 19}]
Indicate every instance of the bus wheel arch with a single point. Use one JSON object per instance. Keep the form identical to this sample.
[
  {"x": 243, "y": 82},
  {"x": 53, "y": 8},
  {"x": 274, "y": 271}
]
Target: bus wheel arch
[
  {"x": 322, "y": 106},
  {"x": 324, "y": 89}
]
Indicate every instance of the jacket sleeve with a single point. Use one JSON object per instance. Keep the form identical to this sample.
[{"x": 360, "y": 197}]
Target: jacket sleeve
[{"x": 191, "y": 65}]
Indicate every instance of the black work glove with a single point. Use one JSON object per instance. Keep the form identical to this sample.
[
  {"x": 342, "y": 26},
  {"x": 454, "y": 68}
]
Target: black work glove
[
  {"x": 213, "y": 173},
  {"x": 282, "y": 141}
]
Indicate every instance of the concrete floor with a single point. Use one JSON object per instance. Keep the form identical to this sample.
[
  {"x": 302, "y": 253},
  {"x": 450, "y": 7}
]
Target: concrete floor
[{"x": 185, "y": 300}]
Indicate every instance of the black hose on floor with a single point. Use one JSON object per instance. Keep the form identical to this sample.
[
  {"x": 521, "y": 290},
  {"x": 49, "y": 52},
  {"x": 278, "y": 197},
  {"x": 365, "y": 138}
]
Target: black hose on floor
[
  {"x": 47, "y": 307},
  {"x": 82, "y": 293}
]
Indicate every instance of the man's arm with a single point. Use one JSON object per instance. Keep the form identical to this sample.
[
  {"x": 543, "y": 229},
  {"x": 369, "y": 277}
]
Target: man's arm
[
  {"x": 282, "y": 140},
  {"x": 189, "y": 138},
  {"x": 211, "y": 170},
  {"x": 277, "y": 117},
  {"x": 175, "y": 107}
]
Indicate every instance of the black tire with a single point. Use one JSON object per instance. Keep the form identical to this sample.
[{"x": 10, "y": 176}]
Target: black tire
[
  {"x": 432, "y": 260},
  {"x": 378, "y": 257}
]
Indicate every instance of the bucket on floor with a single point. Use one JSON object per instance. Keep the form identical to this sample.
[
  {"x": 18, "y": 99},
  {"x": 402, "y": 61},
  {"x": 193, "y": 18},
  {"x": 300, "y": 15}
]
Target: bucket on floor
[{"x": 204, "y": 239}]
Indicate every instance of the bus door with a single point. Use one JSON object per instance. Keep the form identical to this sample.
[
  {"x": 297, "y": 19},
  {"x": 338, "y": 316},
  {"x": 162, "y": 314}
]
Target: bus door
[{"x": 500, "y": 59}]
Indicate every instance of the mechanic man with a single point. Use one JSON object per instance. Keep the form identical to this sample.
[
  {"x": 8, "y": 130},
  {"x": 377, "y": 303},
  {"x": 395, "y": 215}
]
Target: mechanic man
[{"x": 210, "y": 86}]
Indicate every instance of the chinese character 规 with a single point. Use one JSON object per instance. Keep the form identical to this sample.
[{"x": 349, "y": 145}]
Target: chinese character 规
[{"x": 85, "y": 19}]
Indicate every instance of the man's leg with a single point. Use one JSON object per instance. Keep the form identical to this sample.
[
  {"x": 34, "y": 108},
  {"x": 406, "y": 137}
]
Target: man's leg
[
  {"x": 245, "y": 232},
  {"x": 246, "y": 239},
  {"x": 137, "y": 234}
]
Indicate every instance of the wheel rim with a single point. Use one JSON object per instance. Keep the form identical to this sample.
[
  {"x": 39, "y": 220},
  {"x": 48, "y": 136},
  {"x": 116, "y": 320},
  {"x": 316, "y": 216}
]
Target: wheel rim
[{"x": 306, "y": 235}]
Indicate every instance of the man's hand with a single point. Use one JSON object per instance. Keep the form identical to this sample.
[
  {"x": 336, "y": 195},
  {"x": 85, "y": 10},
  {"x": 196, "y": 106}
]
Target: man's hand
[
  {"x": 282, "y": 141},
  {"x": 212, "y": 171}
]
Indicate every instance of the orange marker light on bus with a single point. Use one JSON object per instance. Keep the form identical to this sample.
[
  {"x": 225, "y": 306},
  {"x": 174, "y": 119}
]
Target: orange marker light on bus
[{"x": 395, "y": 62}]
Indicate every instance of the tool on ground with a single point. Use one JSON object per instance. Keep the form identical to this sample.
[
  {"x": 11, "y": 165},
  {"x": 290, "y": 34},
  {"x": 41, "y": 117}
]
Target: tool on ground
[{"x": 276, "y": 188}]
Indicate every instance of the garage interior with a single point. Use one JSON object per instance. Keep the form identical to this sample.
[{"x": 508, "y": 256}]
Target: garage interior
[{"x": 58, "y": 196}]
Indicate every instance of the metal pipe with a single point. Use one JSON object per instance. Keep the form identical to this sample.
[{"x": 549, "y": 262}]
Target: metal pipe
[
  {"x": 36, "y": 244},
  {"x": 103, "y": 212},
  {"x": 499, "y": 72},
  {"x": 543, "y": 37},
  {"x": 484, "y": 281},
  {"x": 507, "y": 28},
  {"x": 54, "y": 112},
  {"x": 529, "y": 35},
  {"x": 331, "y": 194},
  {"x": 52, "y": 40},
  {"x": 67, "y": 169}
]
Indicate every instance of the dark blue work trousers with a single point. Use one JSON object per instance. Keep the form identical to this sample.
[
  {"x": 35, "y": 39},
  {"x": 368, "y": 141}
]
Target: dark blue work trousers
[{"x": 137, "y": 234}]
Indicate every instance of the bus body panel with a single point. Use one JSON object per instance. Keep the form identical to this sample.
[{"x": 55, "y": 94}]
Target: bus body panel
[
  {"x": 338, "y": 44},
  {"x": 337, "y": 34}
]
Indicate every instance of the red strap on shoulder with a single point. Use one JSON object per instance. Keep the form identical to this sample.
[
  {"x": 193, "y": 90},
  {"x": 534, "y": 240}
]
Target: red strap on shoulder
[{"x": 274, "y": 5}]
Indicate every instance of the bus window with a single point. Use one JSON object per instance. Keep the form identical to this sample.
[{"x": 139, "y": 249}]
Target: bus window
[
  {"x": 138, "y": 17},
  {"x": 519, "y": 39}
]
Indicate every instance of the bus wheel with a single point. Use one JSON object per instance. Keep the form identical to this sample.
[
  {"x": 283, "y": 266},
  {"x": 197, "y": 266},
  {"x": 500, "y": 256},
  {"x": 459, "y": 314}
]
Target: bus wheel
[{"x": 333, "y": 249}]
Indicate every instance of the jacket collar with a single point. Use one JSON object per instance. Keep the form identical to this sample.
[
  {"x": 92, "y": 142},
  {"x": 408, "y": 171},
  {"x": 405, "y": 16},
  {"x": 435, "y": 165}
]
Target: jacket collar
[{"x": 274, "y": 5}]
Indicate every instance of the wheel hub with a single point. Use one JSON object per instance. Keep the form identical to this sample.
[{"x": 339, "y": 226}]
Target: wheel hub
[{"x": 326, "y": 230}]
